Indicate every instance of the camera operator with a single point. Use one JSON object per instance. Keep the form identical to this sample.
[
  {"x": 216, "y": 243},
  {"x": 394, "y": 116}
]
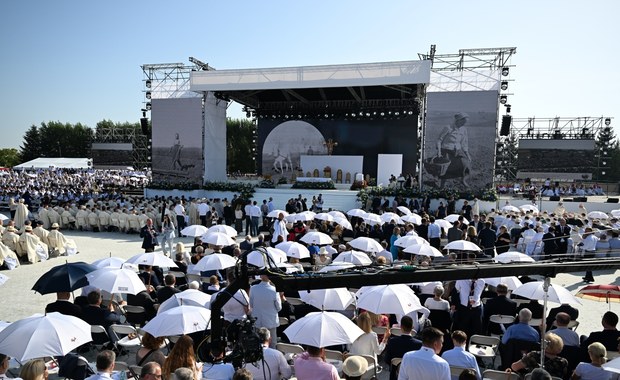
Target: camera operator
[{"x": 273, "y": 366}]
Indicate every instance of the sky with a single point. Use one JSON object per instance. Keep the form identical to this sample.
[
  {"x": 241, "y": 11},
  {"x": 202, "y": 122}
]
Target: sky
[{"x": 78, "y": 61}]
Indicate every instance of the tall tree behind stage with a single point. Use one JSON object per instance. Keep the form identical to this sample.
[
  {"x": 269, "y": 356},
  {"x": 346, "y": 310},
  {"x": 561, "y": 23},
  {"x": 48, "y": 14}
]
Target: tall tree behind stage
[
  {"x": 56, "y": 139},
  {"x": 459, "y": 139},
  {"x": 239, "y": 145}
]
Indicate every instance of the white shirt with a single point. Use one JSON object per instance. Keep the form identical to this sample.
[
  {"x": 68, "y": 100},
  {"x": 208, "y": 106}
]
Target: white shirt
[
  {"x": 458, "y": 357},
  {"x": 203, "y": 208},
  {"x": 464, "y": 287},
  {"x": 234, "y": 308},
  {"x": 179, "y": 210},
  {"x": 423, "y": 364},
  {"x": 589, "y": 243},
  {"x": 255, "y": 211},
  {"x": 272, "y": 367},
  {"x": 219, "y": 371}
]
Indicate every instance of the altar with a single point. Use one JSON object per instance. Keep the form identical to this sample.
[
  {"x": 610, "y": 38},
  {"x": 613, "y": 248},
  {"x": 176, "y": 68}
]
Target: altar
[{"x": 341, "y": 169}]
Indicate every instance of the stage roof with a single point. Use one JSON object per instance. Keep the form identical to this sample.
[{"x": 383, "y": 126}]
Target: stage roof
[{"x": 257, "y": 88}]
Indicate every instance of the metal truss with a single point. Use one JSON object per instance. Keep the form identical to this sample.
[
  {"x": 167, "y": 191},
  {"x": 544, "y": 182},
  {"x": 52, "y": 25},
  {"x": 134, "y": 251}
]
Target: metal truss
[
  {"x": 470, "y": 59},
  {"x": 170, "y": 80},
  {"x": 141, "y": 150}
]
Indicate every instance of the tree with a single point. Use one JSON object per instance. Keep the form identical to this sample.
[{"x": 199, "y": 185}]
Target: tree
[
  {"x": 240, "y": 134},
  {"x": 9, "y": 157},
  {"x": 31, "y": 148},
  {"x": 606, "y": 156}
]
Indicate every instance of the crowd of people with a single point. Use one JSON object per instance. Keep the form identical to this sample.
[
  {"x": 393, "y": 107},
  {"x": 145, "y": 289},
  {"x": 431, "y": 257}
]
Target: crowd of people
[{"x": 428, "y": 343}]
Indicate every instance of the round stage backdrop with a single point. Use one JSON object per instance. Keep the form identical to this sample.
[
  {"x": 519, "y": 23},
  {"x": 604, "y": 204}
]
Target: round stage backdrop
[{"x": 286, "y": 143}]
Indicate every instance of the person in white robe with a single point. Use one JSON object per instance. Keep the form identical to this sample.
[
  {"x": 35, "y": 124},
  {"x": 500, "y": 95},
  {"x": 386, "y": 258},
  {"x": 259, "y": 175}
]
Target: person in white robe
[
  {"x": 59, "y": 243},
  {"x": 81, "y": 218},
  {"x": 21, "y": 214},
  {"x": 31, "y": 247},
  {"x": 8, "y": 258},
  {"x": 10, "y": 238}
]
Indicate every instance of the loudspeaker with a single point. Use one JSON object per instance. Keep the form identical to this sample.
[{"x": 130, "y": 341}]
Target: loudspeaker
[
  {"x": 554, "y": 198},
  {"x": 580, "y": 199},
  {"x": 612, "y": 200},
  {"x": 505, "y": 129},
  {"x": 144, "y": 123}
]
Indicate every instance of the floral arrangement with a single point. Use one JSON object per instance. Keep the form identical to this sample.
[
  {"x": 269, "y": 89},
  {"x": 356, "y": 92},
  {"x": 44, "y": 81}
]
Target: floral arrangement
[
  {"x": 246, "y": 190},
  {"x": 485, "y": 195},
  {"x": 329, "y": 185},
  {"x": 267, "y": 183}
]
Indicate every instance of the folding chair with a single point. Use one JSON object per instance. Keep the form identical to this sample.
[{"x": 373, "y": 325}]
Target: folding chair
[
  {"x": 396, "y": 331},
  {"x": 395, "y": 365},
  {"x": 502, "y": 320},
  {"x": 373, "y": 367},
  {"x": 120, "y": 334},
  {"x": 100, "y": 337},
  {"x": 288, "y": 348},
  {"x": 483, "y": 346},
  {"x": 456, "y": 371},
  {"x": 492, "y": 374},
  {"x": 294, "y": 301},
  {"x": 135, "y": 371},
  {"x": 334, "y": 355},
  {"x": 136, "y": 315},
  {"x": 379, "y": 330}
]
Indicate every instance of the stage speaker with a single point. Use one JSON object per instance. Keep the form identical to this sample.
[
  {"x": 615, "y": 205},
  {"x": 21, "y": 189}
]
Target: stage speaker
[
  {"x": 554, "y": 198},
  {"x": 144, "y": 123},
  {"x": 612, "y": 200},
  {"x": 580, "y": 199},
  {"x": 567, "y": 199},
  {"x": 505, "y": 129}
]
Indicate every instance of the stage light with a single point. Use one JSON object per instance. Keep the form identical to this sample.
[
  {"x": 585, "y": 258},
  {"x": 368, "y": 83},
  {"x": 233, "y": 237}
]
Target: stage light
[
  {"x": 148, "y": 83},
  {"x": 607, "y": 121},
  {"x": 503, "y": 99},
  {"x": 367, "y": 114},
  {"x": 382, "y": 113},
  {"x": 397, "y": 113},
  {"x": 604, "y": 163},
  {"x": 148, "y": 94},
  {"x": 505, "y": 71},
  {"x": 410, "y": 112},
  {"x": 504, "y": 85},
  {"x": 603, "y": 173},
  {"x": 148, "y": 106},
  {"x": 248, "y": 114},
  {"x": 352, "y": 114}
]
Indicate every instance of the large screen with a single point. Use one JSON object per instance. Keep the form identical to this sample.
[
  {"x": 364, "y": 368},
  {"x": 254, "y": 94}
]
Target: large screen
[
  {"x": 177, "y": 140},
  {"x": 556, "y": 155},
  {"x": 459, "y": 139},
  {"x": 112, "y": 155},
  {"x": 282, "y": 142}
]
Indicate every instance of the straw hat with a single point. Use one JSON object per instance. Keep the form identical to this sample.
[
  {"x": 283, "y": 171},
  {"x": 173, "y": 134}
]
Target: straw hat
[
  {"x": 354, "y": 366},
  {"x": 28, "y": 229},
  {"x": 55, "y": 225},
  {"x": 323, "y": 251}
]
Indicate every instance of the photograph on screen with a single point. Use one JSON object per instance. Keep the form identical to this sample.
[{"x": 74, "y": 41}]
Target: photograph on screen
[
  {"x": 459, "y": 140},
  {"x": 177, "y": 140}
]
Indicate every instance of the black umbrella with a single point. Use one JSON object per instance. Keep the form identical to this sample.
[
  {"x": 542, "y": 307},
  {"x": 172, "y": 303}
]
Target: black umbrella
[{"x": 64, "y": 278}]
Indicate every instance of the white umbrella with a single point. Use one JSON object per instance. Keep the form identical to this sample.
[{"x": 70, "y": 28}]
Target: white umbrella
[
  {"x": 116, "y": 281},
  {"x": 266, "y": 258},
  {"x": 152, "y": 259},
  {"x": 39, "y": 336},
  {"x": 404, "y": 210},
  {"x": 373, "y": 219},
  {"x": 389, "y": 299},
  {"x": 454, "y": 217},
  {"x": 228, "y": 230},
  {"x": 215, "y": 261},
  {"x": 217, "y": 238},
  {"x": 366, "y": 244},
  {"x": 615, "y": 214},
  {"x": 189, "y": 297},
  {"x": 535, "y": 291},
  {"x": 443, "y": 224},
  {"x": 276, "y": 213},
  {"x": 4, "y": 325},
  {"x": 512, "y": 282},
  {"x": 513, "y": 257},
  {"x": 531, "y": 208},
  {"x": 323, "y": 329},
  {"x": 387, "y": 217},
  {"x": 423, "y": 250},
  {"x": 3, "y": 217},
  {"x": 3, "y": 278},
  {"x": 181, "y": 320},
  {"x": 294, "y": 249},
  {"x": 318, "y": 238},
  {"x": 324, "y": 216},
  {"x": 334, "y": 267},
  {"x": 337, "y": 214},
  {"x": 194, "y": 230},
  {"x": 288, "y": 268},
  {"x": 354, "y": 257},
  {"x": 510, "y": 208},
  {"x": 612, "y": 365},
  {"x": 407, "y": 240},
  {"x": 114, "y": 262},
  {"x": 597, "y": 215},
  {"x": 462, "y": 245},
  {"x": 328, "y": 299},
  {"x": 412, "y": 218},
  {"x": 344, "y": 222},
  {"x": 357, "y": 212}
]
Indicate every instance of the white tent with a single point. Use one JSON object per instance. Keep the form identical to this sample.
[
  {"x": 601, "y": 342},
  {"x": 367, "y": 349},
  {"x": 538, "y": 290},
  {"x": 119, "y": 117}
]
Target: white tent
[{"x": 55, "y": 163}]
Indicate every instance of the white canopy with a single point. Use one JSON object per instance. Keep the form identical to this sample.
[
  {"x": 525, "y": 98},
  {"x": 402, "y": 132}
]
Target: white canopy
[{"x": 55, "y": 163}]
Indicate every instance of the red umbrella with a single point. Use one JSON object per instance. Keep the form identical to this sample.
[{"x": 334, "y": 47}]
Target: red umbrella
[{"x": 600, "y": 293}]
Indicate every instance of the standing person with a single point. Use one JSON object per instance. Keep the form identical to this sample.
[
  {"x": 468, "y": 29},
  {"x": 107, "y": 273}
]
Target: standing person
[
  {"x": 255, "y": 214},
  {"x": 393, "y": 248},
  {"x": 562, "y": 234},
  {"x": 466, "y": 211},
  {"x": 434, "y": 233},
  {"x": 502, "y": 244},
  {"x": 469, "y": 309},
  {"x": 487, "y": 239},
  {"x": 426, "y": 363},
  {"x": 239, "y": 218},
  {"x": 588, "y": 244},
  {"x": 265, "y": 303},
  {"x": 179, "y": 210},
  {"x": 453, "y": 144},
  {"x": 168, "y": 235},
  {"x": 149, "y": 236},
  {"x": 279, "y": 229},
  {"x": 247, "y": 210}
]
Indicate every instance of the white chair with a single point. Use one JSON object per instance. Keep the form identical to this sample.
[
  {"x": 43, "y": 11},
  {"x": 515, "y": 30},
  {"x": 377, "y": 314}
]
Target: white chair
[
  {"x": 483, "y": 346},
  {"x": 334, "y": 355},
  {"x": 126, "y": 336},
  {"x": 373, "y": 367},
  {"x": 502, "y": 320},
  {"x": 135, "y": 371},
  {"x": 396, "y": 331},
  {"x": 395, "y": 365},
  {"x": 492, "y": 374},
  {"x": 379, "y": 330},
  {"x": 288, "y": 348},
  {"x": 456, "y": 371}
]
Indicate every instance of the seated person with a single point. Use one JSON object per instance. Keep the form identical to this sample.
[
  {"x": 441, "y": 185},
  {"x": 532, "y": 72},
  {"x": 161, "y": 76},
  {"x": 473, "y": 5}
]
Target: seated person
[
  {"x": 150, "y": 350},
  {"x": 608, "y": 336},
  {"x": 593, "y": 370},
  {"x": 459, "y": 356},
  {"x": 522, "y": 330},
  {"x": 94, "y": 314},
  {"x": 499, "y": 305},
  {"x": 563, "y": 308},
  {"x": 399, "y": 345},
  {"x": 569, "y": 337},
  {"x": 554, "y": 364}
]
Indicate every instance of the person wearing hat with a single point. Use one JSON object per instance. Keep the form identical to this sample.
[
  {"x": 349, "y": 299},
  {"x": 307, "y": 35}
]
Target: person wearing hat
[
  {"x": 31, "y": 248},
  {"x": 354, "y": 367},
  {"x": 10, "y": 238},
  {"x": 323, "y": 258},
  {"x": 58, "y": 243},
  {"x": 453, "y": 144}
]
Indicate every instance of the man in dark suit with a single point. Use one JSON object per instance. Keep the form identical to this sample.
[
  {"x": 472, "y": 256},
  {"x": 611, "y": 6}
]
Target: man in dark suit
[
  {"x": 487, "y": 239},
  {"x": 147, "y": 299},
  {"x": 397, "y": 346},
  {"x": 148, "y": 275},
  {"x": 64, "y": 306},
  {"x": 608, "y": 336},
  {"x": 94, "y": 314},
  {"x": 165, "y": 292},
  {"x": 498, "y": 305},
  {"x": 246, "y": 244},
  {"x": 550, "y": 243},
  {"x": 149, "y": 236},
  {"x": 562, "y": 234},
  {"x": 572, "y": 312}
]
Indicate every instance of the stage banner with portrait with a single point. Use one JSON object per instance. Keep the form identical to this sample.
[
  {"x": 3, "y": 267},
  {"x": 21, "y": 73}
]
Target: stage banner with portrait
[
  {"x": 177, "y": 140},
  {"x": 281, "y": 143},
  {"x": 459, "y": 140}
]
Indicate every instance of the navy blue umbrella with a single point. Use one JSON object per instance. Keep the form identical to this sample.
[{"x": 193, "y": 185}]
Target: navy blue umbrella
[{"x": 64, "y": 278}]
